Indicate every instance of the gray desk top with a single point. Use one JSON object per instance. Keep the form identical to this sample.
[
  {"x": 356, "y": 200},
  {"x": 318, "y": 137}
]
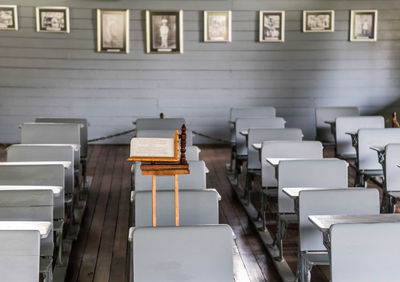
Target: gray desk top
[
  {"x": 56, "y": 189},
  {"x": 75, "y": 147},
  {"x": 352, "y": 133},
  {"x": 379, "y": 149},
  {"x": 43, "y": 227},
  {"x": 330, "y": 122},
  {"x": 244, "y": 132},
  {"x": 66, "y": 165},
  {"x": 257, "y": 146},
  {"x": 275, "y": 161},
  {"x": 294, "y": 192},
  {"x": 324, "y": 222}
]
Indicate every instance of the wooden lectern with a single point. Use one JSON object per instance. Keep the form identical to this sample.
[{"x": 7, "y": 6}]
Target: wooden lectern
[{"x": 160, "y": 157}]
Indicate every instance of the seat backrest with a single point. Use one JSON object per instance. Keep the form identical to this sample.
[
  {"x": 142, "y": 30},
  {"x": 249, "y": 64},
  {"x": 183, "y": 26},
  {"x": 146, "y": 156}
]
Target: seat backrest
[
  {"x": 192, "y": 153},
  {"x": 189, "y": 253},
  {"x": 29, "y": 174},
  {"x": 20, "y": 256},
  {"x": 84, "y": 129},
  {"x": 348, "y": 124},
  {"x": 157, "y": 123},
  {"x": 33, "y": 152},
  {"x": 261, "y": 135},
  {"x": 196, "y": 207},
  {"x": 333, "y": 201},
  {"x": 52, "y": 133},
  {"x": 163, "y": 133},
  {"x": 327, "y": 173},
  {"x": 357, "y": 254},
  {"x": 247, "y": 123},
  {"x": 29, "y": 205},
  {"x": 392, "y": 171},
  {"x": 195, "y": 180},
  {"x": 323, "y": 114},
  {"x": 252, "y": 112},
  {"x": 367, "y": 158},
  {"x": 286, "y": 149}
]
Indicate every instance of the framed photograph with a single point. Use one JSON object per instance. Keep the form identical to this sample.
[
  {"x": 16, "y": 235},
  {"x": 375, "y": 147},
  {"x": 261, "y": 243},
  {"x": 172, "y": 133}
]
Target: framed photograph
[
  {"x": 272, "y": 26},
  {"x": 52, "y": 19},
  {"x": 8, "y": 17},
  {"x": 319, "y": 21},
  {"x": 164, "y": 31},
  {"x": 217, "y": 26},
  {"x": 364, "y": 25},
  {"x": 112, "y": 31}
]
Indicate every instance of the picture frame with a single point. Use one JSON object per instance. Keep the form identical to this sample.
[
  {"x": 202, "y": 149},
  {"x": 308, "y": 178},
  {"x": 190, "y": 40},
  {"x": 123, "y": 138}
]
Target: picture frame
[
  {"x": 319, "y": 21},
  {"x": 217, "y": 26},
  {"x": 164, "y": 31},
  {"x": 364, "y": 25},
  {"x": 113, "y": 31},
  {"x": 52, "y": 19},
  {"x": 272, "y": 26},
  {"x": 8, "y": 17}
]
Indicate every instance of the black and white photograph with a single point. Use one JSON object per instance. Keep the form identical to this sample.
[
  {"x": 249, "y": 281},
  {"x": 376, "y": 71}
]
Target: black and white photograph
[
  {"x": 217, "y": 26},
  {"x": 364, "y": 25},
  {"x": 112, "y": 31},
  {"x": 272, "y": 26},
  {"x": 319, "y": 21},
  {"x": 52, "y": 19},
  {"x": 164, "y": 31},
  {"x": 8, "y": 17}
]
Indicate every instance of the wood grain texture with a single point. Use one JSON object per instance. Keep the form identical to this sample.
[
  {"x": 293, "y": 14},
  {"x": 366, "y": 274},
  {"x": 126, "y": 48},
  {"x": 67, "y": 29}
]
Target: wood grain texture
[{"x": 62, "y": 75}]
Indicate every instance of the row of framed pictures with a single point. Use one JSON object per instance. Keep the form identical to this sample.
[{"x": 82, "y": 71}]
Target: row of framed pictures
[{"x": 164, "y": 29}]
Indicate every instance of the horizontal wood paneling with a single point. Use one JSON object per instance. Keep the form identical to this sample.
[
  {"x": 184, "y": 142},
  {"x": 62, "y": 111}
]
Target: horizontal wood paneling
[{"x": 44, "y": 74}]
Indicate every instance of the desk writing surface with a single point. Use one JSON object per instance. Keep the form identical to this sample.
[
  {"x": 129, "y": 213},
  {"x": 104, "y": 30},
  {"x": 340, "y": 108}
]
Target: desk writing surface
[
  {"x": 257, "y": 146},
  {"x": 244, "y": 132},
  {"x": 275, "y": 161},
  {"x": 66, "y": 165},
  {"x": 324, "y": 222},
  {"x": 56, "y": 189},
  {"x": 351, "y": 132},
  {"x": 75, "y": 147},
  {"x": 152, "y": 147},
  {"x": 43, "y": 227},
  {"x": 330, "y": 122},
  {"x": 379, "y": 149},
  {"x": 294, "y": 192}
]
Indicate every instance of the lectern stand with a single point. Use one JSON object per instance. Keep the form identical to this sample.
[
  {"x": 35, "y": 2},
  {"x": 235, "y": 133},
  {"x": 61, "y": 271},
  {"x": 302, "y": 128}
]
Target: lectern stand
[{"x": 160, "y": 157}]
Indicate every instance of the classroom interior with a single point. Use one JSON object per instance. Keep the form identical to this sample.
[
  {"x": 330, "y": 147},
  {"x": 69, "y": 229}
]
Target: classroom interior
[{"x": 225, "y": 140}]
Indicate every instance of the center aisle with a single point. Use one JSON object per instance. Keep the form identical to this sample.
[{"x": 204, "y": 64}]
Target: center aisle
[{"x": 100, "y": 253}]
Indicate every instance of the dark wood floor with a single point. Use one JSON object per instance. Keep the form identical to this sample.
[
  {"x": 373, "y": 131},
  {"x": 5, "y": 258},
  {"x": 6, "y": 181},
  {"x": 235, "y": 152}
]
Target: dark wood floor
[{"x": 100, "y": 253}]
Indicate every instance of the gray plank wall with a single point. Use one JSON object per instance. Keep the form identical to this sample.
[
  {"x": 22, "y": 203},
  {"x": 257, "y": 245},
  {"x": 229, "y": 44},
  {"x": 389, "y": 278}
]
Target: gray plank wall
[{"x": 62, "y": 75}]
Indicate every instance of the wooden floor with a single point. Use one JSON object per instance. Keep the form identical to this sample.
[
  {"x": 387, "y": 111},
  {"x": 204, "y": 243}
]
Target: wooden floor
[{"x": 100, "y": 253}]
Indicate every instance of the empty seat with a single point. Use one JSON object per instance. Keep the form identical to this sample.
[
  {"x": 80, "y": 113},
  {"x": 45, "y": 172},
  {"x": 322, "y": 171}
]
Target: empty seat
[
  {"x": 344, "y": 146},
  {"x": 195, "y": 180},
  {"x": 392, "y": 176},
  {"x": 196, "y": 207},
  {"x": 52, "y": 133},
  {"x": 192, "y": 153},
  {"x": 19, "y": 257},
  {"x": 35, "y": 174},
  {"x": 31, "y": 205},
  {"x": 324, "y": 114},
  {"x": 83, "y": 129},
  {"x": 261, "y": 135},
  {"x": 244, "y": 124},
  {"x": 38, "y": 152},
  {"x": 286, "y": 149},
  {"x": 190, "y": 253},
  {"x": 367, "y": 159},
  {"x": 365, "y": 252},
  {"x": 327, "y": 202}
]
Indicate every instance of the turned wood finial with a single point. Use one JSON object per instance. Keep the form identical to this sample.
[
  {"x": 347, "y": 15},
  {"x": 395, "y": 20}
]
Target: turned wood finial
[
  {"x": 183, "y": 145},
  {"x": 161, "y": 115},
  {"x": 395, "y": 123}
]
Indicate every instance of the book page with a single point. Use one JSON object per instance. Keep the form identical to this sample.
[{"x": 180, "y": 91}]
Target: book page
[{"x": 152, "y": 147}]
